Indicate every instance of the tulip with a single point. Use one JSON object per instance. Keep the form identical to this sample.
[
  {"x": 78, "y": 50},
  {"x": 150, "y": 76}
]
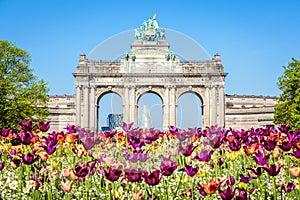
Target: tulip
[
  {"x": 25, "y": 137},
  {"x": 190, "y": 170},
  {"x": 6, "y": 132},
  {"x": 284, "y": 127},
  {"x": 44, "y": 127},
  {"x": 112, "y": 174},
  {"x": 187, "y": 150},
  {"x": 15, "y": 162},
  {"x": 273, "y": 169},
  {"x": 235, "y": 144},
  {"x": 205, "y": 155},
  {"x": 71, "y": 128},
  {"x": 126, "y": 127},
  {"x": 167, "y": 167},
  {"x": 255, "y": 173},
  {"x": 70, "y": 137},
  {"x": 290, "y": 187},
  {"x": 50, "y": 145},
  {"x": 29, "y": 158},
  {"x": 295, "y": 171},
  {"x": 43, "y": 156},
  {"x": 242, "y": 195},
  {"x": 296, "y": 152},
  {"x": 26, "y": 126},
  {"x": 270, "y": 143},
  {"x": 260, "y": 159},
  {"x": 211, "y": 187},
  {"x": 66, "y": 172},
  {"x": 153, "y": 178},
  {"x": 66, "y": 186},
  {"x": 245, "y": 179},
  {"x": 133, "y": 174},
  {"x": 110, "y": 134},
  {"x": 81, "y": 170}
]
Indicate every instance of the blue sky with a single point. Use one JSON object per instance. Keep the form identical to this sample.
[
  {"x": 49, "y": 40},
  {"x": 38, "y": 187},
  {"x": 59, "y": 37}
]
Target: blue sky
[{"x": 255, "y": 38}]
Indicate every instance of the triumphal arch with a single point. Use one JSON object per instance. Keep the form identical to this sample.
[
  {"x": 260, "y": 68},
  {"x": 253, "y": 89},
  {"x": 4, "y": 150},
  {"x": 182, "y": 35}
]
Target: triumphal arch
[{"x": 150, "y": 66}]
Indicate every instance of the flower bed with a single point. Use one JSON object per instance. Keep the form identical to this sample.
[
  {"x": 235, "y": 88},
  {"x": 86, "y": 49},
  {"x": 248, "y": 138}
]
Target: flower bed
[{"x": 149, "y": 164}]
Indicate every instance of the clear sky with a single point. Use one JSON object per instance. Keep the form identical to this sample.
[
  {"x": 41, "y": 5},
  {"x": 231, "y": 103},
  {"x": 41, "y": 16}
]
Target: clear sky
[{"x": 255, "y": 38}]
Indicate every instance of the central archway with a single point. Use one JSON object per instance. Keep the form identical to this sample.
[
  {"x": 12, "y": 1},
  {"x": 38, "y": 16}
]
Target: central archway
[
  {"x": 110, "y": 111},
  {"x": 150, "y": 111},
  {"x": 189, "y": 110}
]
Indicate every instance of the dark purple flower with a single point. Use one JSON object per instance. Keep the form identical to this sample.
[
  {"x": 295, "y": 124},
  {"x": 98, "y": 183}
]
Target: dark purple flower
[
  {"x": 220, "y": 161},
  {"x": 242, "y": 195},
  {"x": 136, "y": 142},
  {"x": 1, "y": 166},
  {"x": 29, "y": 158},
  {"x": 81, "y": 170},
  {"x": 16, "y": 162},
  {"x": 133, "y": 174},
  {"x": 235, "y": 144},
  {"x": 153, "y": 178},
  {"x": 290, "y": 187},
  {"x": 270, "y": 143},
  {"x": 25, "y": 137},
  {"x": 201, "y": 190},
  {"x": 71, "y": 128},
  {"x": 50, "y": 145},
  {"x": 260, "y": 159},
  {"x": 6, "y": 132},
  {"x": 226, "y": 194},
  {"x": 286, "y": 145},
  {"x": 187, "y": 150},
  {"x": 13, "y": 152},
  {"x": 112, "y": 174},
  {"x": 273, "y": 169},
  {"x": 254, "y": 173},
  {"x": 173, "y": 129},
  {"x": 284, "y": 127},
  {"x": 296, "y": 153},
  {"x": 151, "y": 135},
  {"x": 110, "y": 134},
  {"x": 44, "y": 127},
  {"x": 205, "y": 155},
  {"x": 190, "y": 170},
  {"x": 245, "y": 179},
  {"x": 88, "y": 142},
  {"x": 26, "y": 126},
  {"x": 167, "y": 167}
]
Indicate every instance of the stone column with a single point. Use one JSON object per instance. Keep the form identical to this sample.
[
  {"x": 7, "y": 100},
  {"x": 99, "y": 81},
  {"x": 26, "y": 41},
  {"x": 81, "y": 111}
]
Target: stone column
[
  {"x": 166, "y": 109},
  {"x": 172, "y": 106},
  {"x": 93, "y": 109},
  {"x": 222, "y": 107},
  {"x": 206, "y": 109},
  {"x": 126, "y": 105},
  {"x": 78, "y": 105},
  {"x": 213, "y": 106},
  {"x": 85, "y": 119},
  {"x": 132, "y": 106}
]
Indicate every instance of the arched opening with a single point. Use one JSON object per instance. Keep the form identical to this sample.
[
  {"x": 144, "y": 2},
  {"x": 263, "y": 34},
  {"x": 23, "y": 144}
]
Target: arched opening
[
  {"x": 110, "y": 111},
  {"x": 189, "y": 111},
  {"x": 150, "y": 111}
]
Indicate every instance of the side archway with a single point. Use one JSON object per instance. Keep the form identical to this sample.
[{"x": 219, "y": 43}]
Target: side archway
[
  {"x": 110, "y": 111},
  {"x": 189, "y": 111},
  {"x": 150, "y": 110}
]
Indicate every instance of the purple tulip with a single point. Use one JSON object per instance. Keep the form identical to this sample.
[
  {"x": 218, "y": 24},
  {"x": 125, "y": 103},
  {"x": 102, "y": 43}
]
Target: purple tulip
[
  {"x": 71, "y": 128},
  {"x": 110, "y": 134},
  {"x": 1, "y": 166},
  {"x": 254, "y": 173},
  {"x": 136, "y": 142},
  {"x": 205, "y": 155},
  {"x": 112, "y": 174},
  {"x": 242, "y": 195},
  {"x": 286, "y": 145},
  {"x": 270, "y": 143},
  {"x": 296, "y": 152},
  {"x": 245, "y": 179},
  {"x": 273, "y": 169},
  {"x": 153, "y": 178},
  {"x": 25, "y": 137},
  {"x": 29, "y": 158},
  {"x": 50, "y": 144},
  {"x": 220, "y": 161},
  {"x": 151, "y": 135},
  {"x": 235, "y": 144},
  {"x": 15, "y": 161},
  {"x": 81, "y": 170},
  {"x": 26, "y": 126},
  {"x": 6, "y": 132},
  {"x": 167, "y": 167},
  {"x": 187, "y": 150},
  {"x": 126, "y": 127},
  {"x": 88, "y": 142},
  {"x": 190, "y": 170},
  {"x": 44, "y": 127},
  {"x": 226, "y": 194},
  {"x": 260, "y": 159},
  {"x": 133, "y": 174},
  {"x": 284, "y": 127},
  {"x": 290, "y": 187}
]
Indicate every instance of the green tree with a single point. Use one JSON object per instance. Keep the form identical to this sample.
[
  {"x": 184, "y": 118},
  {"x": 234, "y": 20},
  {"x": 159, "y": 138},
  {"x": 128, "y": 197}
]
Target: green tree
[
  {"x": 287, "y": 109},
  {"x": 22, "y": 95}
]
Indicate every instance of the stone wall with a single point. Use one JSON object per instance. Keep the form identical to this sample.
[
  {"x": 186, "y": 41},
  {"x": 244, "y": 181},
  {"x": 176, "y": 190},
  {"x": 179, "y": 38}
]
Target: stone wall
[
  {"x": 62, "y": 112},
  {"x": 247, "y": 111}
]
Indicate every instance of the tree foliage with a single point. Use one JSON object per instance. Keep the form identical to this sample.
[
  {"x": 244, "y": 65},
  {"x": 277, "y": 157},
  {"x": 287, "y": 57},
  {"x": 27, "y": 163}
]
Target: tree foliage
[
  {"x": 287, "y": 110},
  {"x": 22, "y": 95}
]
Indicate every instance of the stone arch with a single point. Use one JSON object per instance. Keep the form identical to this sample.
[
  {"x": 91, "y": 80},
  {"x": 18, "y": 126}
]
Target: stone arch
[
  {"x": 150, "y": 116},
  {"x": 116, "y": 119},
  {"x": 155, "y": 90}
]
